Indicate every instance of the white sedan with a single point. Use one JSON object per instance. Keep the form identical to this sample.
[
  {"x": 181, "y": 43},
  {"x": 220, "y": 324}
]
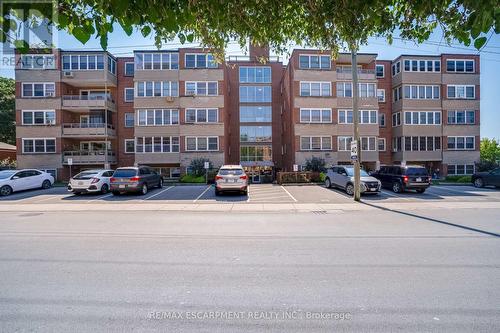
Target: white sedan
[
  {"x": 26, "y": 179},
  {"x": 91, "y": 181}
]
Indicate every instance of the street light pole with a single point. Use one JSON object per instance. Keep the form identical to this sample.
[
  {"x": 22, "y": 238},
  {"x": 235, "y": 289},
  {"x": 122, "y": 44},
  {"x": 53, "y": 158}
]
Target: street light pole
[{"x": 355, "y": 114}]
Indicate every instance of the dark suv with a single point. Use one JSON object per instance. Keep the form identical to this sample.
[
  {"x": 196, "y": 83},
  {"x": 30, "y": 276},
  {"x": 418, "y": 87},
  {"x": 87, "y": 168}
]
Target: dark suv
[
  {"x": 132, "y": 179},
  {"x": 402, "y": 178}
]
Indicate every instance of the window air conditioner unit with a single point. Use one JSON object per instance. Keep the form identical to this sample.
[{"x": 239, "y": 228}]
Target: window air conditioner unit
[
  {"x": 68, "y": 74},
  {"x": 169, "y": 99}
]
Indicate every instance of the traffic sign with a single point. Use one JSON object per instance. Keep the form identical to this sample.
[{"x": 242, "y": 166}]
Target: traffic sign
[
  {"x": 354, "y": 150},
  {"x": 295, "y": 167},
  {"x": 207, "y": 165},
  {"x": 70, "y": 161}
]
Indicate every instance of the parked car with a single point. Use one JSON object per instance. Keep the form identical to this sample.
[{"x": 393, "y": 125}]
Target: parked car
[
  {"x": 343, "y": 177},
  {"x": 25, "y": 179},
  {"x": 402, "y": 178},
  {"x": 135, "y": 179},
  {"x": 231, "y": 178},
  {"x": 90, "y": 181},
  {"x": 486, "y": 178}
]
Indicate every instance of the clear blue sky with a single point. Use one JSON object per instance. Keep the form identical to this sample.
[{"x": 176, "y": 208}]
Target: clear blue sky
[{"x": 122, "y": 45}]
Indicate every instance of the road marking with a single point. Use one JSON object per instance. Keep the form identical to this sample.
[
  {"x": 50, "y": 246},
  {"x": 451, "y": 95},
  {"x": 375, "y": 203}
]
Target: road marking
[
  {"x": 248, "y": 193},
  {"x": 45, "y": 199},
  {"x": 154, "y": 195},
  {"x": 393, "y": 195},
  {"x": 291, "y": 196},
  {"x": 464, "y": 193},
  {"x": 101, "y": 197},
  {"x": 208, "y": 187}
]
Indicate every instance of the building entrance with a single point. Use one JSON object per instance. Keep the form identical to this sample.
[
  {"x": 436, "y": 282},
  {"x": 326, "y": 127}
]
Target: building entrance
[{"x": 260, "y": 174}]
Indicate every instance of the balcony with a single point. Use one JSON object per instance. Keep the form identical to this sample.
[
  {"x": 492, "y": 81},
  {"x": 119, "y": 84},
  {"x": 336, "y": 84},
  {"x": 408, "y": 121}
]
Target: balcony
[
  {"x": 363, "y": 74},
  {"x": 85, "y": 103},
  {"x": 87, "y": 157},
  {"x": 85, "y": 130}
]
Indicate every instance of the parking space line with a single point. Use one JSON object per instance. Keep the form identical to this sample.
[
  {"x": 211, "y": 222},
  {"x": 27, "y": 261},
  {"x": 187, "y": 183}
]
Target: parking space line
[
  {"x": 45, "y": 199},
  {"x": 101, "y": 197},
  {"x": 154, "y": 195},
  {"x": 393, "y": 195},
  {"x": 248, "y": 193},
  {"x": 291, "y": 196},
  {"x": 205, "y": 191}
]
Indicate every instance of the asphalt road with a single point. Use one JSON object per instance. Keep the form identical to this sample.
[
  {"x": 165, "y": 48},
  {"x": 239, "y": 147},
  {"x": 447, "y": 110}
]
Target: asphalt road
[{"x": 376, "y": 271}]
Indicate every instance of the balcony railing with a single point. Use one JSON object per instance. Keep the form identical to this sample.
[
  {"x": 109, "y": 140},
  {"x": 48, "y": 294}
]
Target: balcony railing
[
  {"x": 80, "y": 157},
  {"x": 86, "y": 102},
  {"x": 346, "y": 73},
  {"x": 85, "y": 130}
]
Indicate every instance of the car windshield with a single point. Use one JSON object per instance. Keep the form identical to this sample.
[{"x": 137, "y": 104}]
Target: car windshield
[
  {"x": 416, "y": 172},
  {"x": 6, "y": 174},
  {"x": 125, "y": 173},
  {"x": 85, "y": 175},
  {"x": 226, "y": 172},
  {"x": 350, "y": 172}
]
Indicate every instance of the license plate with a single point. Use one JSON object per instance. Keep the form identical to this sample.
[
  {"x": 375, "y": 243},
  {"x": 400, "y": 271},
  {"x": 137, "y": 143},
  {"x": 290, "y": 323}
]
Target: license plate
[
  {"x": 373, "y": 189},
  {"x": 419, "y": 179},
  {"x": 230, "y": 180},
  {"x": 80, "y": 183},
  {"x": 121, "y": 186}
]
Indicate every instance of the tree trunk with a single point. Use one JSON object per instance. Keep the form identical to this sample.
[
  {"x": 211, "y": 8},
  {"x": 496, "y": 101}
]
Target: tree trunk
[{"x": 355, "y": 116}]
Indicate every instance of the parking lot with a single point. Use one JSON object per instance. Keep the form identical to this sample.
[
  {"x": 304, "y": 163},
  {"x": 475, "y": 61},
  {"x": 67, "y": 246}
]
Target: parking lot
[{"x": 258, "y": 194}]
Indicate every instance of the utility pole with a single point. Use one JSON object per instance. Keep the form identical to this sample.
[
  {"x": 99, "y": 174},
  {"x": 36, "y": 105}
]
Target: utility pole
[{"x": 355, "y": 116}]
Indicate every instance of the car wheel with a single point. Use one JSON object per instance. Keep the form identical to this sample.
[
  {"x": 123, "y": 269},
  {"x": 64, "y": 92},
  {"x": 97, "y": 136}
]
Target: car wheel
[
  {"x": 349, "y": 189},
  {"x": 396, "y": 187},
  {"x": 115, "y": 193},
  {"x": 478, "y": 182},
  {"x": 421, "y": 190},
  {"x": 104, "y": 189},
  {"x": 46, "y": 184},
  {"x": 160, "y": 183},
  {"x": 144, "y": 189},
  {"x": 5, "y": 190},
  {"x": 328, "y": 183},
  {"x": 217, "y": 192}
]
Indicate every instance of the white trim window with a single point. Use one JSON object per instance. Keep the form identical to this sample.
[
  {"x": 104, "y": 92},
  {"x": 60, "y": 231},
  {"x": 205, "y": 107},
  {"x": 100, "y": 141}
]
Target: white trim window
[
  {"x": 381, "y": 95},
  {"x": 365, "y": 116},
  {"x": 460, "y": 65},
  {"x": 461, "y": 117},
  {"x": 367, "y": 90},
  {"x": 315, "y": 89},
  {"x": 381, "y": 119},
  {"x": 38, "y": 117},
  {"x": 202, "y": 143},
  {"x": 202, "y": 88},
  {"x": 422, "y": 143},
  {"x": 315, "y": 143},
  {"x": 157, "y": 117},
  {"x": 379, "y": 71},
  {"x": 128, "y": 68},
  {"x": 80, "y": 62},
  {"x": 421, "y": 92},
  {"x": 368, "y": 143},
  {"x": 381, "y": 144},
  {"x": 422, "y": 65},
  {"x": 199, "y": 60},
  {"x": 422, "y": 117},
  {"x": 128, "y": 94},
  {"x": 461, "y": 91},
  {"x": 461, "y": 169},
  {"x": 344, "y": 89},
  {"x": 129, "y": 119},
  {"x": 396, "y": 68},
  {"x": 255, "y": 114},
  {"x": 315, "y": 116},
  {"x": 202, "y": 115},
  {"x": 38, "y": 61},
  {"x": 396, "y": 119},
  {"x": 344, "y": 143},
  {"x": 156, "y": 61},
  {"x": 129, "y": 146},
  {"x": 461, "y": 142},
  {"x": 39, "y": 145},
  {"x": 157, "y": 89},
  {"x": 157, "y": 144},
  {"x": 255, "y": 74},
  {"x": 397, "y": 94},
  {"x": 38, "y": 89},
  {"x": 255, "y": 94},
  {"x": 311, "y": 61}
]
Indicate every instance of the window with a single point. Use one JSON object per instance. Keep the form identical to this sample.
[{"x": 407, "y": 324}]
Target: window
[
  {"x": 344, "y": 143},
  {"x": 315, "y": 89},
  {"x": 316, "y": 143},
  {"x": 74, "y": 62},
  {"x": 422, "y": 143},
  {"x": 157, "y": 88},
  {"x": 344, "y": 89},
  {"x": 411, "y": 65},
  {"x": 111, "y": 65},
  {"x": 255, "y": 74},
  {"x": 255, "y": 94},
  {"x": 381, "y": 119},
  {"x": 256, "y": 153},
  {"x": 381, "y": 95},
  {"x": 381, "y": 144},
  {"x": 202, "y": 88},
  {"x": 129, "y": 146},
  {"x": 202, "y": 115},
  {"x": 255, "y": 114},
  {"x": 396, "y": 93},
  {"x": 202, "y": 143},
  {"x": 396, "y": 68},
  {"x": 315, "y": 115},
  {"x": 461, "y": 117},
  {"x": 365, "y": 116},
  {"x": 129, "y": 95},
  {"x": 396, "y": 119},
  {"x": 461, "y": 91},
  {"x": 42, "y": 117},
  {"x": 460, "y": 66},
  {"x": 255, "y": 133},
  {"x": 155, "y": 61},
  {"x": 368, "y": 143},
  {"x": 129, "y": 120},
  {"x": 38, "y": 89},
  {"x": 421, "y": 92},
  {"x": 38, "y": 61},
  {"x": 199, "y": 60},
  {"x": 461, "y": 142},
  {"x": 314, "y": 61},
  {"x": 460, "y": 169},
  {"x": 380, "y": 70},
  {"x": 39, "y": 145},
  {"x": 129, "y": 69},
  {"x": 168, "y": 144},
  {"x": 157, "y": 117},
  {"x": 422, "y": 117}
]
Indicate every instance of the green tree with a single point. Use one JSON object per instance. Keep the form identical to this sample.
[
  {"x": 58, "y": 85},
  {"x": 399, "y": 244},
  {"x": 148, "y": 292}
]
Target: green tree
[
  {"x": 315, "y": 164},
  {"x": 490, "y": 150},
  {"x": 7, "y": 111},
  {"x": 197, "y": 166}
]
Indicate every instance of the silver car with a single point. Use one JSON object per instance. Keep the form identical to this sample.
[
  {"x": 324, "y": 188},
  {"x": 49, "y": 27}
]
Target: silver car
[
  {"x": 231, "y": 178},
  {"x": 343, "y": 177},
  {"x": 90, "y": 181}
]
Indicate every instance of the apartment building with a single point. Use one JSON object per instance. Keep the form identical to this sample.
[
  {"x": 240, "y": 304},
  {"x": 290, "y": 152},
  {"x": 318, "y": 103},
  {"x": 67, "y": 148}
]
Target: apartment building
[{"x": 81, "y": 110}]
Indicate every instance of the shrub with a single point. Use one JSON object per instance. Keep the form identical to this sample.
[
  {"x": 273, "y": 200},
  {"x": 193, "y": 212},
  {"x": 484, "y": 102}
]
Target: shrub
[
  {"x": 315, "y": 164},
  {"x": 192, "y": 179},
  {"x": 7, "y": 163},
  {"x": 197, "y": 166},
  {"x": 458, "y": 179},
  {"x": 322, "y": 177},
  {"x": 485, "y": 165}
]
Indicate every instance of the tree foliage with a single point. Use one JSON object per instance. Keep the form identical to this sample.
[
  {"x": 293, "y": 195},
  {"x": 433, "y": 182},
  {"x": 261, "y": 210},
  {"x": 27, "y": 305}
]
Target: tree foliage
[
  {"x": 490, "y": 150},
  {"x": 197, "y": 166},
  {"x": 7, "y": 111},
  {"x": 315, "y": 164}
]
